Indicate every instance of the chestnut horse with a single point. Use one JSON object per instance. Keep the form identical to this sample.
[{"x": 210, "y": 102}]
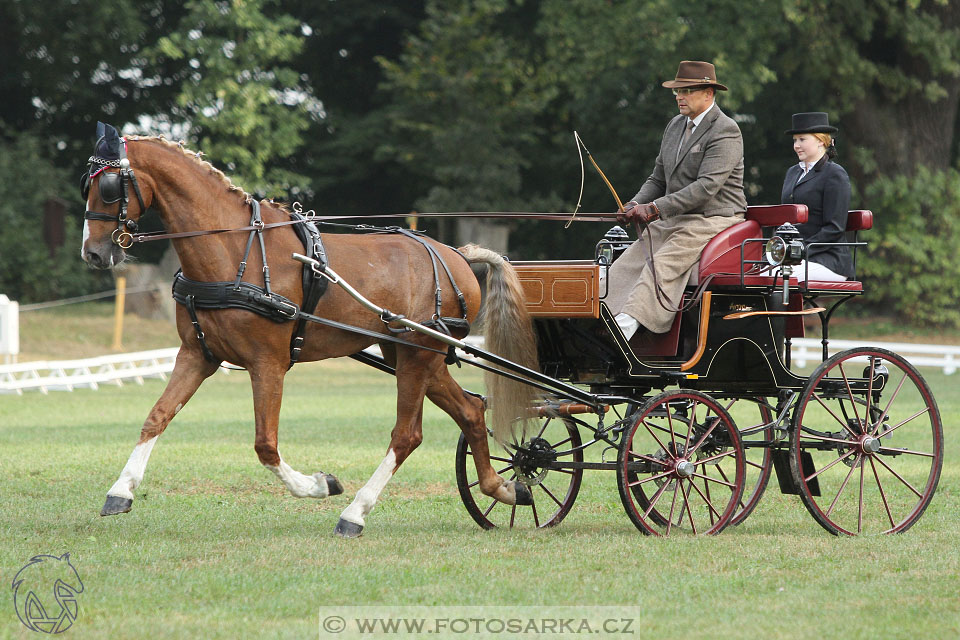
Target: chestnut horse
[{"x": 128, "y": 176}]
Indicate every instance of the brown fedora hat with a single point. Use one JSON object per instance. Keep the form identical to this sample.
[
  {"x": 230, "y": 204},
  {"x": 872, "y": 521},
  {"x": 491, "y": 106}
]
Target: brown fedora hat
[{"x": 693, "y": 73}]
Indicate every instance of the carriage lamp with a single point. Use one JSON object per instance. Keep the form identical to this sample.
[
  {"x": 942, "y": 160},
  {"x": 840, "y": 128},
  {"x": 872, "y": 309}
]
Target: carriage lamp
[
  {"x": 614, "y": 242},
  {"x": 785, "y": 247}
]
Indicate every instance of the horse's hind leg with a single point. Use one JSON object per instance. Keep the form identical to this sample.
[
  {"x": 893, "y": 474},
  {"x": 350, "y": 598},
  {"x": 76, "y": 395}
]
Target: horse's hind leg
[
  {"x": 267, "y": 381},
  {"x": 190, "y": 370},
  {"x": 467, "y": 411},
  {"x": 414, "y": 370}
]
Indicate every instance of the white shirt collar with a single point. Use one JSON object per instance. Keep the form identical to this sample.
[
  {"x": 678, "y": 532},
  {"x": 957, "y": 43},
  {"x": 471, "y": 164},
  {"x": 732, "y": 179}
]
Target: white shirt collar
[{"x": 699, "y": 118}]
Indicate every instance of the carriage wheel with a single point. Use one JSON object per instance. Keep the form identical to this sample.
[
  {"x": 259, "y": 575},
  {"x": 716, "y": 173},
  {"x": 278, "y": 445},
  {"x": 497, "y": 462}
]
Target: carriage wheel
[
  {"x": 749, "y": 414},
  {"x": 681, "y": 465},
  {"x": 866, "y": 445},
  {"x": 548, "y": 440}
]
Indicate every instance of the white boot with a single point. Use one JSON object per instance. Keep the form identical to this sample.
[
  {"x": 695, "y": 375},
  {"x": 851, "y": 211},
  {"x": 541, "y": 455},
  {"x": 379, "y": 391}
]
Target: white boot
[{"x": 628, "y": 324}]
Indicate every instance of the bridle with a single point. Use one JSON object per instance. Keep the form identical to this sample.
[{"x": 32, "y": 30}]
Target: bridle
[{"x": 113, "y": 188}]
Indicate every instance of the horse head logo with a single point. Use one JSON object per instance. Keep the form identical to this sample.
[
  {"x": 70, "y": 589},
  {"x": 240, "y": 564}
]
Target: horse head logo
[{"x": 33, "y": 586}]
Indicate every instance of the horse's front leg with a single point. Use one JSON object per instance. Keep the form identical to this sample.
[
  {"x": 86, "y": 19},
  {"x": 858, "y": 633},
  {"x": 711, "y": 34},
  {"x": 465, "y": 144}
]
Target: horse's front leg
[
  {"x": 189, "y": 371},
  {"x": 267, "y": 384}
]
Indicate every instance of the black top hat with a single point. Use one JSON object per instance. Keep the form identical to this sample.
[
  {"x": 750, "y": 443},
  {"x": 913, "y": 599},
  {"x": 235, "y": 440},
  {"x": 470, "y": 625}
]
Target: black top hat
[{"x": 811, "y": 122}]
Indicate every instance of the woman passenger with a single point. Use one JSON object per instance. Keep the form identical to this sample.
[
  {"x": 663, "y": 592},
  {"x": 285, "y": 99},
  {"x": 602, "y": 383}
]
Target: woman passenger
[{"x": 821, "y": 184}]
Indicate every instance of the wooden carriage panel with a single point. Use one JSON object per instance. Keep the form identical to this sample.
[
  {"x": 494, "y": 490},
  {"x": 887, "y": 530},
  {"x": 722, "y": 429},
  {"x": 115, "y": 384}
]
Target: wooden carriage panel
[{"x": 560, "y": 288}]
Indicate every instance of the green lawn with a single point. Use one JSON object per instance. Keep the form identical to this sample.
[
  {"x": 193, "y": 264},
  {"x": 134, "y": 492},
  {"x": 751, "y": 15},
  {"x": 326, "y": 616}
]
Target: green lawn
[{"x": 216, "y": 548}]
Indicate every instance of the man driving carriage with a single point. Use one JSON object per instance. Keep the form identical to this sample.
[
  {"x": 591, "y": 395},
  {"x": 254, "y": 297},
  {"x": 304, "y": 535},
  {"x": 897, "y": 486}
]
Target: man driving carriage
[{"x": 694, "y": 193}]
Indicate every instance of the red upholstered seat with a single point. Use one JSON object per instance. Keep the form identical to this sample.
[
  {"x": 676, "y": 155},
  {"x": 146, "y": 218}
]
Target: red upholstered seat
[{"x": 722, "y": 256}]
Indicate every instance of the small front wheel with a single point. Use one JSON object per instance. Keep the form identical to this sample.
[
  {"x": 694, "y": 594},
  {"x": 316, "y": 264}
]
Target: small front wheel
[
  {"x": 681, "y": 466},
  {"x": 545, "y": 461}
]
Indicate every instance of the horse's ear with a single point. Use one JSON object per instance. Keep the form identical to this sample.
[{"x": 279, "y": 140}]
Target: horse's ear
[{"x": 108, "y": 142}]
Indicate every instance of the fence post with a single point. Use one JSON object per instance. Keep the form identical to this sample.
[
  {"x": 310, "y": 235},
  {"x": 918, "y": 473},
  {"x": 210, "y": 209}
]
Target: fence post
[{"x": 9, "y": 328}]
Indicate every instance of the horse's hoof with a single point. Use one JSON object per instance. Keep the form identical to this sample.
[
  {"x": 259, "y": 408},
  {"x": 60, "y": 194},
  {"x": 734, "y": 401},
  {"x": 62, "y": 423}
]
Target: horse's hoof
[
  {"x": 333, "y": 485},
  {"x": 115, "y": 505},
  {"x": 524, "y": 496},
  {"x": 347, "y": 529}
]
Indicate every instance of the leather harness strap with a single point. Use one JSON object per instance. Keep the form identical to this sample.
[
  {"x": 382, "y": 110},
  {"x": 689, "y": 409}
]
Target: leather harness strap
[{"x": 264, "y": 302}]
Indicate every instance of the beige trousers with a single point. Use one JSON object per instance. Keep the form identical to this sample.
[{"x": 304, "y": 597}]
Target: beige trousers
[{"x": 675, "y": 244}]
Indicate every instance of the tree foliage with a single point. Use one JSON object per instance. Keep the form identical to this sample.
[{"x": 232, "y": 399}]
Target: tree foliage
[{"x": 364, "y": 106}]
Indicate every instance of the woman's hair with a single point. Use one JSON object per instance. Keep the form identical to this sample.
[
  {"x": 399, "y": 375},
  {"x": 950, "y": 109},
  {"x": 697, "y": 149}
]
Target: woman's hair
[{"x": 827, "y": 141}]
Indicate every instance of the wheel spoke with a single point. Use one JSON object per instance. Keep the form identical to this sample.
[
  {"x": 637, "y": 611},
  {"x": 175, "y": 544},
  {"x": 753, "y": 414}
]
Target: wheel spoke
[
  {"x": 493, "y": 503},
  {"x": 715, "y": 457},
  {"x": 673, "y": 505},
  {"x": 647, "y": 458},
  {"x": 498, "y": 459},
  {"x": 860, "y": 505},
  {"x": 843, "y": 486},
  {"x": 656, "y": 477},
  {"x": 686, "y": 504},
  {"x": 513, "y": 514},
  {"x": 550, "y": 493},
  {"x": 724, "y": 476},
  {"x": 727, "y": 484},
  {"x": 883, "y": 495},
  {"x": 643, "y": 421},
  {"x": 654, "y": 499},
  {"x": 703, "y": 438},
  {"x": 853, "y": 401},
  {"x": 753, "y": 464},
  {"x": 706, "y": 500},
  {"x": 840, "y": 459},
  {"x": 916, "y": 415},
  {"x": 899, "y": 477},
  {"x": 673, "y": 436},
  {"x": 842, "y": 423},
  {"x": 894, "y": 451},
  {"x": 892, "y": 398},
  {"x": 533, "y": 506},
  {"x": 693, "y": 421}
]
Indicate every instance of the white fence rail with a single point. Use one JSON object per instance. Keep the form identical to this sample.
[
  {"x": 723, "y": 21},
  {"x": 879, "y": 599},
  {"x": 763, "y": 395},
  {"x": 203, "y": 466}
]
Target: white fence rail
[
  {"x": 940, "y": 356},
  {"x": 66, "y": 375}
]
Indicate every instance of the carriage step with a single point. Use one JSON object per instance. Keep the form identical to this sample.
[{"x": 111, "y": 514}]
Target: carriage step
[{"x": 788, "y": 484}]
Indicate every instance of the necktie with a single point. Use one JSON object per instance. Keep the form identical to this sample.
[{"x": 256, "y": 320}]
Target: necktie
[{"x": 686, "y": 136}]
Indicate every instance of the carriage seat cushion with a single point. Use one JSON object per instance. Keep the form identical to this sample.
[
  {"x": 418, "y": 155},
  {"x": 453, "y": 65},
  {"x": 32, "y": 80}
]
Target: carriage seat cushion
[{"x": 722, "y": 256}]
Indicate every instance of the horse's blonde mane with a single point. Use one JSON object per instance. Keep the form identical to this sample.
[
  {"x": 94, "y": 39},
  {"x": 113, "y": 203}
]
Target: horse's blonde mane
[{"x": 197, "y": 157}]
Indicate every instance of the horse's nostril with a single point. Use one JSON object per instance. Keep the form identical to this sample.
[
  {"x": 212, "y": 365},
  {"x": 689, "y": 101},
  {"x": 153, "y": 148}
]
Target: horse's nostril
[{"x": 95, "y": 259}]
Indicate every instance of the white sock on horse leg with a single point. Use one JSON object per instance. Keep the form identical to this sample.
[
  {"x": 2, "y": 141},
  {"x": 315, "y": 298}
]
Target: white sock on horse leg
[
  {"x": 367, "y": 496},
  {"x": 628, "y": 324},
  {"x": 132, "y": 474},
  {"x": 300, "y": 485}
]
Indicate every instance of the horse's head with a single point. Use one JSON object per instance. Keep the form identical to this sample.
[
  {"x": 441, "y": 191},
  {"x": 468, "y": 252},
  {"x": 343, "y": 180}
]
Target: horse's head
[{"x": 109, "y": 222}]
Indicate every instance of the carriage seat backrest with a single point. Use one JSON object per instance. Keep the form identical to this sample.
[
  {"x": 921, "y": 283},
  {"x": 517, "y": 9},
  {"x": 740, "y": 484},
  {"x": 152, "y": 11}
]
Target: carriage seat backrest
[
  {"x": 859, "y": 220},
  {"x": 722, "y": 253}
]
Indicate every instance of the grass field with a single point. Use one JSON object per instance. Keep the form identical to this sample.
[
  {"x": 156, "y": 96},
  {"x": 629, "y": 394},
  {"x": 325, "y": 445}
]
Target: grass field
[{"x": 216, "y": 548}]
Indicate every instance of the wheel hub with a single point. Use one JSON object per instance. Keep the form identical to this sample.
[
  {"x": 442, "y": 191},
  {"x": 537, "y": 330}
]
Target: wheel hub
[
  {"x": 685, "y": 468},
  {"x": 532, "y": 459},
  {"x": 870, "y": 444}
]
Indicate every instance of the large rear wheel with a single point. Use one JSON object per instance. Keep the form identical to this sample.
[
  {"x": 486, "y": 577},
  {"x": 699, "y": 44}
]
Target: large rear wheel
[
  {"x": 681, "y": 466},
  {"x": 754, "y": 421},
  {"x": 866, "y": 446}
]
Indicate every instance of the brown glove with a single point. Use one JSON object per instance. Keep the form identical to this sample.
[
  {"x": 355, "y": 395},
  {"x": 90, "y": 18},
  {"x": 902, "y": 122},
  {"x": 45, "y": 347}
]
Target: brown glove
[{"x": 642, "y": 213}]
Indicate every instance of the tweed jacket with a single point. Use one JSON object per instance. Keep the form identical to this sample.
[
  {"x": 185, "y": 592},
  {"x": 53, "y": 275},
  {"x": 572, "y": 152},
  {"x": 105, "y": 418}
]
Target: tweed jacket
[
  {"x": 826, "y": 192},
  {"x": 707, "y": 178}
]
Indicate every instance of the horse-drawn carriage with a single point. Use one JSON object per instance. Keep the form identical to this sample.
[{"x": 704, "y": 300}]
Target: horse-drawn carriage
[
  {"x": 859, "y": 438},
  {"x": 694, "y": 422}
]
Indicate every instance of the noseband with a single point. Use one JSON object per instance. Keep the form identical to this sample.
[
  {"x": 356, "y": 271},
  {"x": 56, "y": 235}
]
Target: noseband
[{"x": 113, "y": 188}]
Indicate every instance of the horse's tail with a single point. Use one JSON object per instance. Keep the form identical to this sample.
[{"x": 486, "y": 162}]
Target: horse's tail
[{"x": 508, "y": 332}]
